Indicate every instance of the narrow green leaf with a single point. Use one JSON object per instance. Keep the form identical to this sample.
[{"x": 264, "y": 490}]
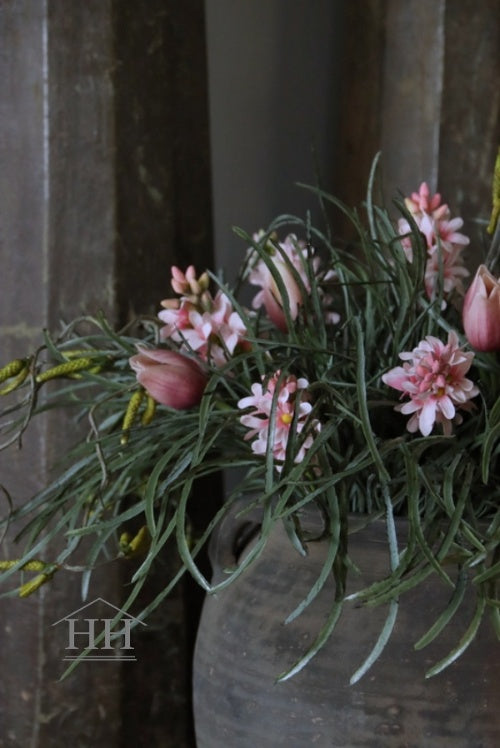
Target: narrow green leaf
[
  {"x": 446, "y": 615},
  {"x": 319, "y": 642},
  {"x": 380, "y": 644},
  {"x": 464, "y": 642}
]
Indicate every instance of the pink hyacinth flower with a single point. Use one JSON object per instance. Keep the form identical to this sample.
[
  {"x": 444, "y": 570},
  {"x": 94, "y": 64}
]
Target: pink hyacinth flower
[
  {"x": 422, "y": 201},
  {"x": 433, "y": 377},
  {"x": 259, "y": 420},
  {"x": 200, "y": 323},
  {"x": 212, "y": 334},
  {"x": 443, "y": 239},
  {"x": 450, "y": 265},
  {"x": 169, "y": 377},
  {"x": 481, "y": 311}
]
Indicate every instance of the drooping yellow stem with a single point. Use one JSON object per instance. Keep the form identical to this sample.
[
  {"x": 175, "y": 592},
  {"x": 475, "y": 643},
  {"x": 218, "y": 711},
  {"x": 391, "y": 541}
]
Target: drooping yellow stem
[
  {"x": 66, "y": 369},
  {"x": 16, "y": 381},
  {"x": 47, "y": 572},
  {"x": 149, "y": 411},
  {"x": 32, "y": 586},
  {"x": 33, "y": 565},
  {"x": 495, "y": 210},
  {"x": 131, "y": 413},
  {"x": 137, "y": 545},
  {"x": 12, "y": 369}
]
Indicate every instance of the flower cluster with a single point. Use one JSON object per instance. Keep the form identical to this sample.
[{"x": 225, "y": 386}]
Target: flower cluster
[
  {"x": 292, "y": 261},
  {"x": 277, "y": 401},
  {"x": 206, "y": 332},
  {"x": 207, "y": 328},
  {"x": 433, "y": 377},
  {"x": 199, "y": 322},
  {"x": 443, "y": 240}
]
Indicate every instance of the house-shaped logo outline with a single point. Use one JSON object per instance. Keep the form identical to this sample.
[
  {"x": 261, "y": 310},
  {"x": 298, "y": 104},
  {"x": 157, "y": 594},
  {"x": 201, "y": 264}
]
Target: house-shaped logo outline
[
  {"x": 98, "y": 600},
  {"x": 101, "y": 600}
]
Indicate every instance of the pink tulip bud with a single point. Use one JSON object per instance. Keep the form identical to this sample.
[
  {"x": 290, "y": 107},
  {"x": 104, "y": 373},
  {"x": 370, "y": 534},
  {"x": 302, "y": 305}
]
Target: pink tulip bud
[
  {"x": 169, "y": 377},
  {"x": 481, "y": 311},
  {"x": 272, "y": 296}
]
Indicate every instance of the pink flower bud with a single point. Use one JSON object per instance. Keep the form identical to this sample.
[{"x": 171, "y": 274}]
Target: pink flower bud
[
  {"x": 181, "y": 282},
  {"x": 169, "y": 377},
  {"x": 481, "y": 311},
  {"x": 272, "y": 296},
  {"x": 170, "y": 303}
]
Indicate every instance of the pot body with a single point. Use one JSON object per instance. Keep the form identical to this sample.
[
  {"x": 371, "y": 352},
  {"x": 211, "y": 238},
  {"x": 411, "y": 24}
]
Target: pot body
[{"x": 243, "y": 645}]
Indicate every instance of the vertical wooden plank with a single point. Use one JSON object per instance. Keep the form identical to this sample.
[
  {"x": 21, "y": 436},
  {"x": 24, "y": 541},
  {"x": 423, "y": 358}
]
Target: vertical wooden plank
[
  {"x": 470, "y": 121},
  {"x": 391, "y": 94},
  {"x": 105, "y": 183},
  {"x": 57, "y": 216},
  {"x": 81, "y": 180},
  {"x": 420, "y": 83},
  {"x": 361, "y": 81},
  {"x": 410, "y": 101},
  {"x": 163, "y": 217},
  {"x": 162, "y": 157},
  {"x": 22, "y": 310},
  {"x": 273, "y": 102}
]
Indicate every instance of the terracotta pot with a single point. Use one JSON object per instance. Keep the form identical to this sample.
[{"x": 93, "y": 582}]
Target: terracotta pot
[{"x": 243, "y": 645}]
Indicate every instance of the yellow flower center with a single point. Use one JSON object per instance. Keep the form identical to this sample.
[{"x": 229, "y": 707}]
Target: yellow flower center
[{"x": 286, "y": 418}]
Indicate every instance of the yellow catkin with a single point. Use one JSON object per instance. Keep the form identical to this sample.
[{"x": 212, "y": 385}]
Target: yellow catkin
[
  {"x": 137, "y": 545},
  {"x": 66, "y": 369},
  {"x": 124, "y": 541},
  {"x": 131, "y": 413},
  {"x": 16, "y": 381},
  {"x": 140, "y": 542},
  {"x": 27, "y": 589},
  {"x": 34, "y": 584},
  {"x": 495, "y": 211},
  {"x": 149, "y": 411},
  {"x": 12, "y": 369},
  {"x": 32, "y": 565},
  {"x": 73, "y": 353}
]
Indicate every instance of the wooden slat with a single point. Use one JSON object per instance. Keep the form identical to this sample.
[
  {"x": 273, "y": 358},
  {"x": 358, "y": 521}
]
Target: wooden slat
[{"x": 105, "y": 183}]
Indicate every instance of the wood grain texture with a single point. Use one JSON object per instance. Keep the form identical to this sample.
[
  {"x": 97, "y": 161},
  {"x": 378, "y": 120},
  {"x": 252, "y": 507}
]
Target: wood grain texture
[
  {"x": 104, "y": 172},
  {"x": 420, "y": 84}
]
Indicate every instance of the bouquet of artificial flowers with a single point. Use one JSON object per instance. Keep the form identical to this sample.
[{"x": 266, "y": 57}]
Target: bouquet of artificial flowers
[{"x": 348, "y": 385}]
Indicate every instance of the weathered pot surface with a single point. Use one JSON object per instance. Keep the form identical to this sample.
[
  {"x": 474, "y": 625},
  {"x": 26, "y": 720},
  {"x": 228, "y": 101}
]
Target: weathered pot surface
[{"x": 243, "y": 645}]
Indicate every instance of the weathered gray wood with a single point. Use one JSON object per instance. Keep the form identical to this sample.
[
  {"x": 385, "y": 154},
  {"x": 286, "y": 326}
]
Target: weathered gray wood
[
  {"x": 162, "y": 159},
  {"x": 57, "y": 217},
  {"x": 361, "y": 83},
  {"x": 420, "y": 83},
  {"x": 104, "y": 183},
  {"x": 410, "y": 102},
  {"x": 470, "y": 114}
]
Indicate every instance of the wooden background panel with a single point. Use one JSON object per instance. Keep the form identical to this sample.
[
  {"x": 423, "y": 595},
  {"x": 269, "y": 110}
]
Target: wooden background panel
[
  {"x": 105, "y": 182},
  {"x": 52, "y": 165},
  {"x": 420, "y": 83},
  {"x": 470, "y": 119}
]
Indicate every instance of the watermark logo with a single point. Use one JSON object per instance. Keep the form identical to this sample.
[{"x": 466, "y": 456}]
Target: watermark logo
[{"x": 100, "y": 631}]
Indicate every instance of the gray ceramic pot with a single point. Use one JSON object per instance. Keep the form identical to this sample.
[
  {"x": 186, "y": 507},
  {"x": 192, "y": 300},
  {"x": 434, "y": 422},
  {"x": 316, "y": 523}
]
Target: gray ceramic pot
[{"x": 243, "y": 645}]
